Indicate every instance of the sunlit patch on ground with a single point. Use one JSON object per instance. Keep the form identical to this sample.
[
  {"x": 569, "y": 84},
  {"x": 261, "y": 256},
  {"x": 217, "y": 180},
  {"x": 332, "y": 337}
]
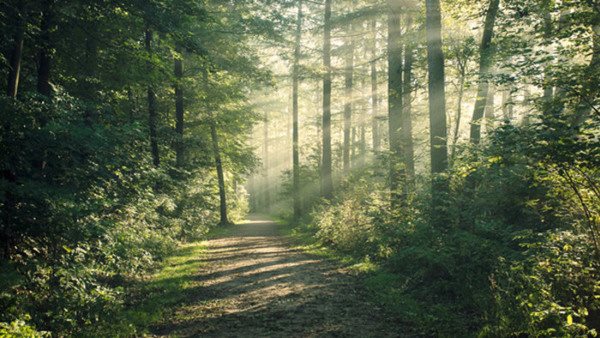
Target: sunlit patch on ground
[{"x": 256, "y": 285}]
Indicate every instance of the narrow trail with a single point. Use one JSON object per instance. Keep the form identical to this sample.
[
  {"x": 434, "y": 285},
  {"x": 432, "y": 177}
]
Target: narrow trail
[{"x": 254, "y": 284}]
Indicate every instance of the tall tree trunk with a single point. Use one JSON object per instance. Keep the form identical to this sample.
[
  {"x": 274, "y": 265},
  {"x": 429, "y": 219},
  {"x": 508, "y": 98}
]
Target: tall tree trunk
[
  {"x": 363, "y": 130},
  {"x": 437, "y": 110},
  {"x": 461, "y": 94},
  {"x": 295, "y": 142},
  {"x": 395, "y": 99},
  {"x": 252, "y": 193},
  {"x": 485, "y": 60},
  {"x": 326, "y": 167},
  {"x": 548, "y": 95},
  {"x": 266, "y": 163},
  {"x": 525, "y": 103},
  {"x": 353, "y": 145},
  {"x": 348, "y": 86},
  {"x": 152, "y": 108},
  {"x": 220, "y": 175},
  {"x": 16, "y": 54},
  {"x": 490, "y": 113},
  {"x": 374, "y": 94},
  {"x": 406, "y": 130},
  {"x": 507, "y": 105},
  {"x": 179, "y": 110},
  {"x": 45, "y": 53}
]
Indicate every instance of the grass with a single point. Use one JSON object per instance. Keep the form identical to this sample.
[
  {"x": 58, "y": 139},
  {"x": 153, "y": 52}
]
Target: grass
[{"x": 160, "y": 293}]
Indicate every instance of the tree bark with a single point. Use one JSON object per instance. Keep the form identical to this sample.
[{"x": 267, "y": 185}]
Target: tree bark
[
  {"x": 507, "y": 106},
  {"x": 152, "y": 108},
  {"x": 179, "y": 110},
  {"x": 220, "y": 175},
  {"x": 267, "y": 200},
  {"x": 395, "y": 99},
  {"x": 548, "y": 95},
  {"x": 490, "y": 113},
  {"x": 406, "y": 130},
  {"x": 295, "y": 142},
  {"x": 348, "y": 86},
  {"x": 326, "y": 167},
  {"x": 485, "y": 60},
  {"x": 374, "y": 89},
  {"x": 461, "y": 93},
  {"x": 45, "y": 53},
  {"x": 526, "y": 101},
  {"x": 16, "y": 54},
  {"x": 437, "y": 111},
  {"x": 353, "y": 145},
  {"x": 362, "y": 148}
]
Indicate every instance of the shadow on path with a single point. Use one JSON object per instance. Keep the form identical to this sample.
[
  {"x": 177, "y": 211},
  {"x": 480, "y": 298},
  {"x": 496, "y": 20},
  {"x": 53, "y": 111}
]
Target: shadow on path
[{"x": 254, "y": 285}]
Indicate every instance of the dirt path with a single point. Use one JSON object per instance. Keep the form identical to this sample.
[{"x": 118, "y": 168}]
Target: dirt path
[{"x": 255, "y": 285}]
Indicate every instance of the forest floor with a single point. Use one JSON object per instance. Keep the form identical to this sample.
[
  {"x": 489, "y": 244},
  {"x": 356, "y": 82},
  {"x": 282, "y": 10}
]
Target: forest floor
[{"x": 252, "y": 282}]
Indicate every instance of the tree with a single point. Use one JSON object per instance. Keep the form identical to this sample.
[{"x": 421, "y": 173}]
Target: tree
[
  {"x": 220, "y": 174},
  {"x": 47, "y": 25},
  {"x": 437, "y": 108},
  {"x": 461, "y": 52},
  {"x": 395, "y": 107},
  {"x": 326, "y": 166},
  {"x": 374, "y": 84},
  {"x": 485, "y": 61},
  {"x": 152, "y": 106},
  {"x": 348, "y": 84},
  {"x": 16, "y": 54},
  {"x": 406, "y": 137},
  {"x": 179, "y": 109},
  {"x": 295, "y": 142}
]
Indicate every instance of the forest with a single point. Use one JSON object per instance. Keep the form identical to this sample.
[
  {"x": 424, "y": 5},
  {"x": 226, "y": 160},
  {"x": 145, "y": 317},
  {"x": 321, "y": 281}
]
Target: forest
[{"x": 381, "y": 168}]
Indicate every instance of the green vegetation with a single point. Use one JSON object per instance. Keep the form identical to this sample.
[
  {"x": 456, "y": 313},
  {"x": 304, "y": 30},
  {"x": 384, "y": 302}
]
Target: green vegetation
[
  {"x": 160, "y": 293},
  {"x": 447, "y": 150}
]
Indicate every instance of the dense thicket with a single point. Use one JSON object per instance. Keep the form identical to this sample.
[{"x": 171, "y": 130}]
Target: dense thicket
[{"x": 116, "y": 117}]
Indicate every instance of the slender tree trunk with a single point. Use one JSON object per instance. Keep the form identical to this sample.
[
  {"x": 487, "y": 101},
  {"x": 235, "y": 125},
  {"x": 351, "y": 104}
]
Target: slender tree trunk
[
  {"x": 348, "y": 86},
  {"x": 525, "y": 103},
  {"x": 490, "y": 113},
  {"x": 152, "y": 108},
  {"x": 16, "y": 54},
  {"x": 266, "y": 163},
  {"x": 506, "y": 98},
  {"x": 395, "y": 100},
  {"x": 437, "y": 110},
  {"x": 326, "y": 167},
  {"x": 485, "y": 60},
  {"x": 548, "y": 95},
  {"x": 179, "y": 110},
  {"x": 374, "y": 94},
  {"x": 252, "y": 193},
  {"x": 511, "y": 106},
  {"x": 406, "y": 130},
  {"x": 461, "y": 93},
  {"x": 295, "y": 142},
  {"x": 220, "y": 175},
  {"x": 45, "y": 53},
  {"x": 363, "y": 130},
  {"x": 353, "y": 145}
]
